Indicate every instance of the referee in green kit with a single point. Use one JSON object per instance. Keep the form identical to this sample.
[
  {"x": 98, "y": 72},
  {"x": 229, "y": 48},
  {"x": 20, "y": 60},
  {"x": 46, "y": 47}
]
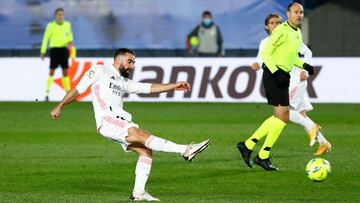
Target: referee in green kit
[
  {"x": 60, "y": 35},
  {"x": 280, "y": 54}
]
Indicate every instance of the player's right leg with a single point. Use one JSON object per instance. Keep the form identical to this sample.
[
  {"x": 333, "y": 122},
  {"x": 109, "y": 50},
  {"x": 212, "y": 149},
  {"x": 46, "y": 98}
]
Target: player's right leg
[
  {"x": 324, "y": 144},
  {"x": 142, "y": 172},
  {"x": 138, "y": 135},
  {"x": 314, "y": 133},
  {"x": 277, "y": 124},
  {"x": 54, "y": 63},
  {"x": 246, "y": 148},
  {"x": 310, "y": 127},
  {"x": 49, "y": 82}
]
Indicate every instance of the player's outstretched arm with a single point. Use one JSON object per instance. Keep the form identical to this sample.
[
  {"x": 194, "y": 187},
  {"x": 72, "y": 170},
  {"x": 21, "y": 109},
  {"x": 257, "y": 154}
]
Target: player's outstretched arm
[
  {"x": 179, "y": 86},
  {"x": 69, "y": 97}
]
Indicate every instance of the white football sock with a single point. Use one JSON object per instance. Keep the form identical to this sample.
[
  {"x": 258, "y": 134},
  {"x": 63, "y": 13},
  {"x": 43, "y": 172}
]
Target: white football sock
[
  {"x": 297, "y": 118},
  {"x": 142, "y": 172},
  {"x": 321, "y": 139},
  {"x": 160, "y": 144}
]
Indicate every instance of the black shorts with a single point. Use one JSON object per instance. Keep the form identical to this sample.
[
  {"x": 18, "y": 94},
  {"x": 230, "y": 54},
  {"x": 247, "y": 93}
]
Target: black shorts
[
  {"x": 276, "y": 93},
  {"x": 59, "y": 56}
]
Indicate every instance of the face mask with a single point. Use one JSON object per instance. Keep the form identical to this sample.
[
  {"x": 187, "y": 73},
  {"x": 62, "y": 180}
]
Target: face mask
[{"x": 207, "y": 21}]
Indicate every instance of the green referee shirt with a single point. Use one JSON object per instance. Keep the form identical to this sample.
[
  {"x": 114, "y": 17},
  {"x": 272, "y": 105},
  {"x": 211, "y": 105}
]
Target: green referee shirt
[
  {"x": 59, "y": 35},
  {"x": 282, "y": 48}
]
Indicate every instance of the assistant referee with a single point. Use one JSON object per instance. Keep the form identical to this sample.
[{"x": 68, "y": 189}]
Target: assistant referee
[
  {"x": 280, "y": 54},
  {"x": 60, "y": 35}
]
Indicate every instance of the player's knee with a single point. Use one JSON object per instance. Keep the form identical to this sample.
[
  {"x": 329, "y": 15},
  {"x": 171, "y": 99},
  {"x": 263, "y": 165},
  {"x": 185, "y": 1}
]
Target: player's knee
[
  {"x": 147, "y": 152},
  {"x": 65, "y": 72},
  {"x": 285, "y": 117},
  {"x": 138, "y": 135}
]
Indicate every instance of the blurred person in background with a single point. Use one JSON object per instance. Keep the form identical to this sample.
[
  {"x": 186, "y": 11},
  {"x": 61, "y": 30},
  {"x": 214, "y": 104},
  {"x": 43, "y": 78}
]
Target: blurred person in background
[
  {"x": 205, "y": 39},
  {"x": 60, "y": 35}
]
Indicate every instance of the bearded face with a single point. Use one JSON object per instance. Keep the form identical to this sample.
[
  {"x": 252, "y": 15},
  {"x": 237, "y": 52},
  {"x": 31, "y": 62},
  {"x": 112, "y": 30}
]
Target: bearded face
[{"x": 124, "y": 72}]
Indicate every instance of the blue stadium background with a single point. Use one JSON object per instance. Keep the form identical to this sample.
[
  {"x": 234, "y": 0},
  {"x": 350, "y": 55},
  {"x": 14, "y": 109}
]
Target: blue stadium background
[
  {"x": 155, "y": 24},
  {"x": 159, "y": 27}
]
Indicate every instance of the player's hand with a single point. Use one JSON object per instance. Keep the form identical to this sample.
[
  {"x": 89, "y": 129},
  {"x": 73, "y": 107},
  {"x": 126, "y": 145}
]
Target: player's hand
[
  {"x": 42, "y": 56},
  {"x": 304, "y": 75},
  {"x": 55, "y": 113},
  {"x": 309, "y": 68},
  {"x": 255, "y": 66},
  {"x": 183, "y": 86}
]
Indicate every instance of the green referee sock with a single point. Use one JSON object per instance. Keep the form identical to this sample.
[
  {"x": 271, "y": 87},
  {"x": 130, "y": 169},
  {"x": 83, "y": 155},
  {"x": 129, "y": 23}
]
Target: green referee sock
[
  {"x": 277, "y": 126},
  {"x": 66, "y": 83},
  {"x": 259, "y": 133},
  {"x": 48, "y": 84}
]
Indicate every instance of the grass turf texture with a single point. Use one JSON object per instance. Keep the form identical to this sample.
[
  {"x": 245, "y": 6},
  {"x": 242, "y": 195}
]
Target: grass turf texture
[{"x": 67, "y": 161}]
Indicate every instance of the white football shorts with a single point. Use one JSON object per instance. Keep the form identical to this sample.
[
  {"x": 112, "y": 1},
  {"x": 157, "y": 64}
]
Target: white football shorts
[
  {"x": 116, "y": 128},
  {"x": 298, "y": 100}
]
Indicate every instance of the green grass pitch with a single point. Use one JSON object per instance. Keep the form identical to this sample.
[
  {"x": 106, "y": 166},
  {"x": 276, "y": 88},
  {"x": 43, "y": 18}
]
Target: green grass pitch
[{"x": 67, "y": 161}]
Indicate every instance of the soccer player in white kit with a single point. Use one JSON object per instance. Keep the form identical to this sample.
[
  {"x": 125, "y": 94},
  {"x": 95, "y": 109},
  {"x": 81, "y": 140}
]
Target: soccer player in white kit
[
  {"x": 299, "y": 103},
  {"x": 108, "y": 85}
]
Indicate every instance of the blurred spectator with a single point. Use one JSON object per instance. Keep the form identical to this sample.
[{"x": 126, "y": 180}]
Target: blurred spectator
[
  {"x": 205, "y": 39},
  {"x": 60, "y": 35}
]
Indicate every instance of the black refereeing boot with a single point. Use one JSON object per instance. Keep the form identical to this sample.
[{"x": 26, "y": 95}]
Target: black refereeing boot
[
  {"x": 245, "y": 153},
  {"x": 265, "y": 163}
]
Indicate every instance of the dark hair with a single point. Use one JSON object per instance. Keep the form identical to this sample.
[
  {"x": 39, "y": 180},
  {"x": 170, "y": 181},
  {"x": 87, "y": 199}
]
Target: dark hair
[
  {"x": 206, "y": 13},
  {"x": 267, "y": 19},
  {"x": 58, "y": 10},
  {"x": 293, "y": 3},
  {"x": 123, "y": 51}
]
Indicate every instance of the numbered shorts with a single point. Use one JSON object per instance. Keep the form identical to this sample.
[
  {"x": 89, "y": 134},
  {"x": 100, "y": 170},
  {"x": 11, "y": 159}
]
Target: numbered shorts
[
  {"x": 116, "y": 129},
  {"x": 298, "y": 100}
]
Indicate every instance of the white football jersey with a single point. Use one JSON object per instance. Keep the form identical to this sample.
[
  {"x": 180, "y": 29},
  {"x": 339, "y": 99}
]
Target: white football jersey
[
  {"x": 295, "y": 72},
  {"x": 261, "y": 47},
  {"x": 107, "y": 89}
]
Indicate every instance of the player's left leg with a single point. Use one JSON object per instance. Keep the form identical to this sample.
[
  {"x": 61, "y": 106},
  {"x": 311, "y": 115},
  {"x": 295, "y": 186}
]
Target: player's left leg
[
  {"x": 310, "y": 127},
  {"x": 142, "y": 172},
  {"x": 324, "y": 144},
  {"x": 65, "y": 79},
  {"x": 64, "y": 61}
]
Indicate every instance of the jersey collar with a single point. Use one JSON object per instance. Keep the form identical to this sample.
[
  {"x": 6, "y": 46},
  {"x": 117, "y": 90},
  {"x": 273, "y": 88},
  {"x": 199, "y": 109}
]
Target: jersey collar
[
  {"x": 291, "y": 26},
  {"x": 115, "y": 70}
]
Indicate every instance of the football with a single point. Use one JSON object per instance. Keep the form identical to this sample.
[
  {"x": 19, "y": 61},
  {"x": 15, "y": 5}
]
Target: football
[
  {"x": 318, "y": 169},
  {"x": 194, "y": 41}
]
